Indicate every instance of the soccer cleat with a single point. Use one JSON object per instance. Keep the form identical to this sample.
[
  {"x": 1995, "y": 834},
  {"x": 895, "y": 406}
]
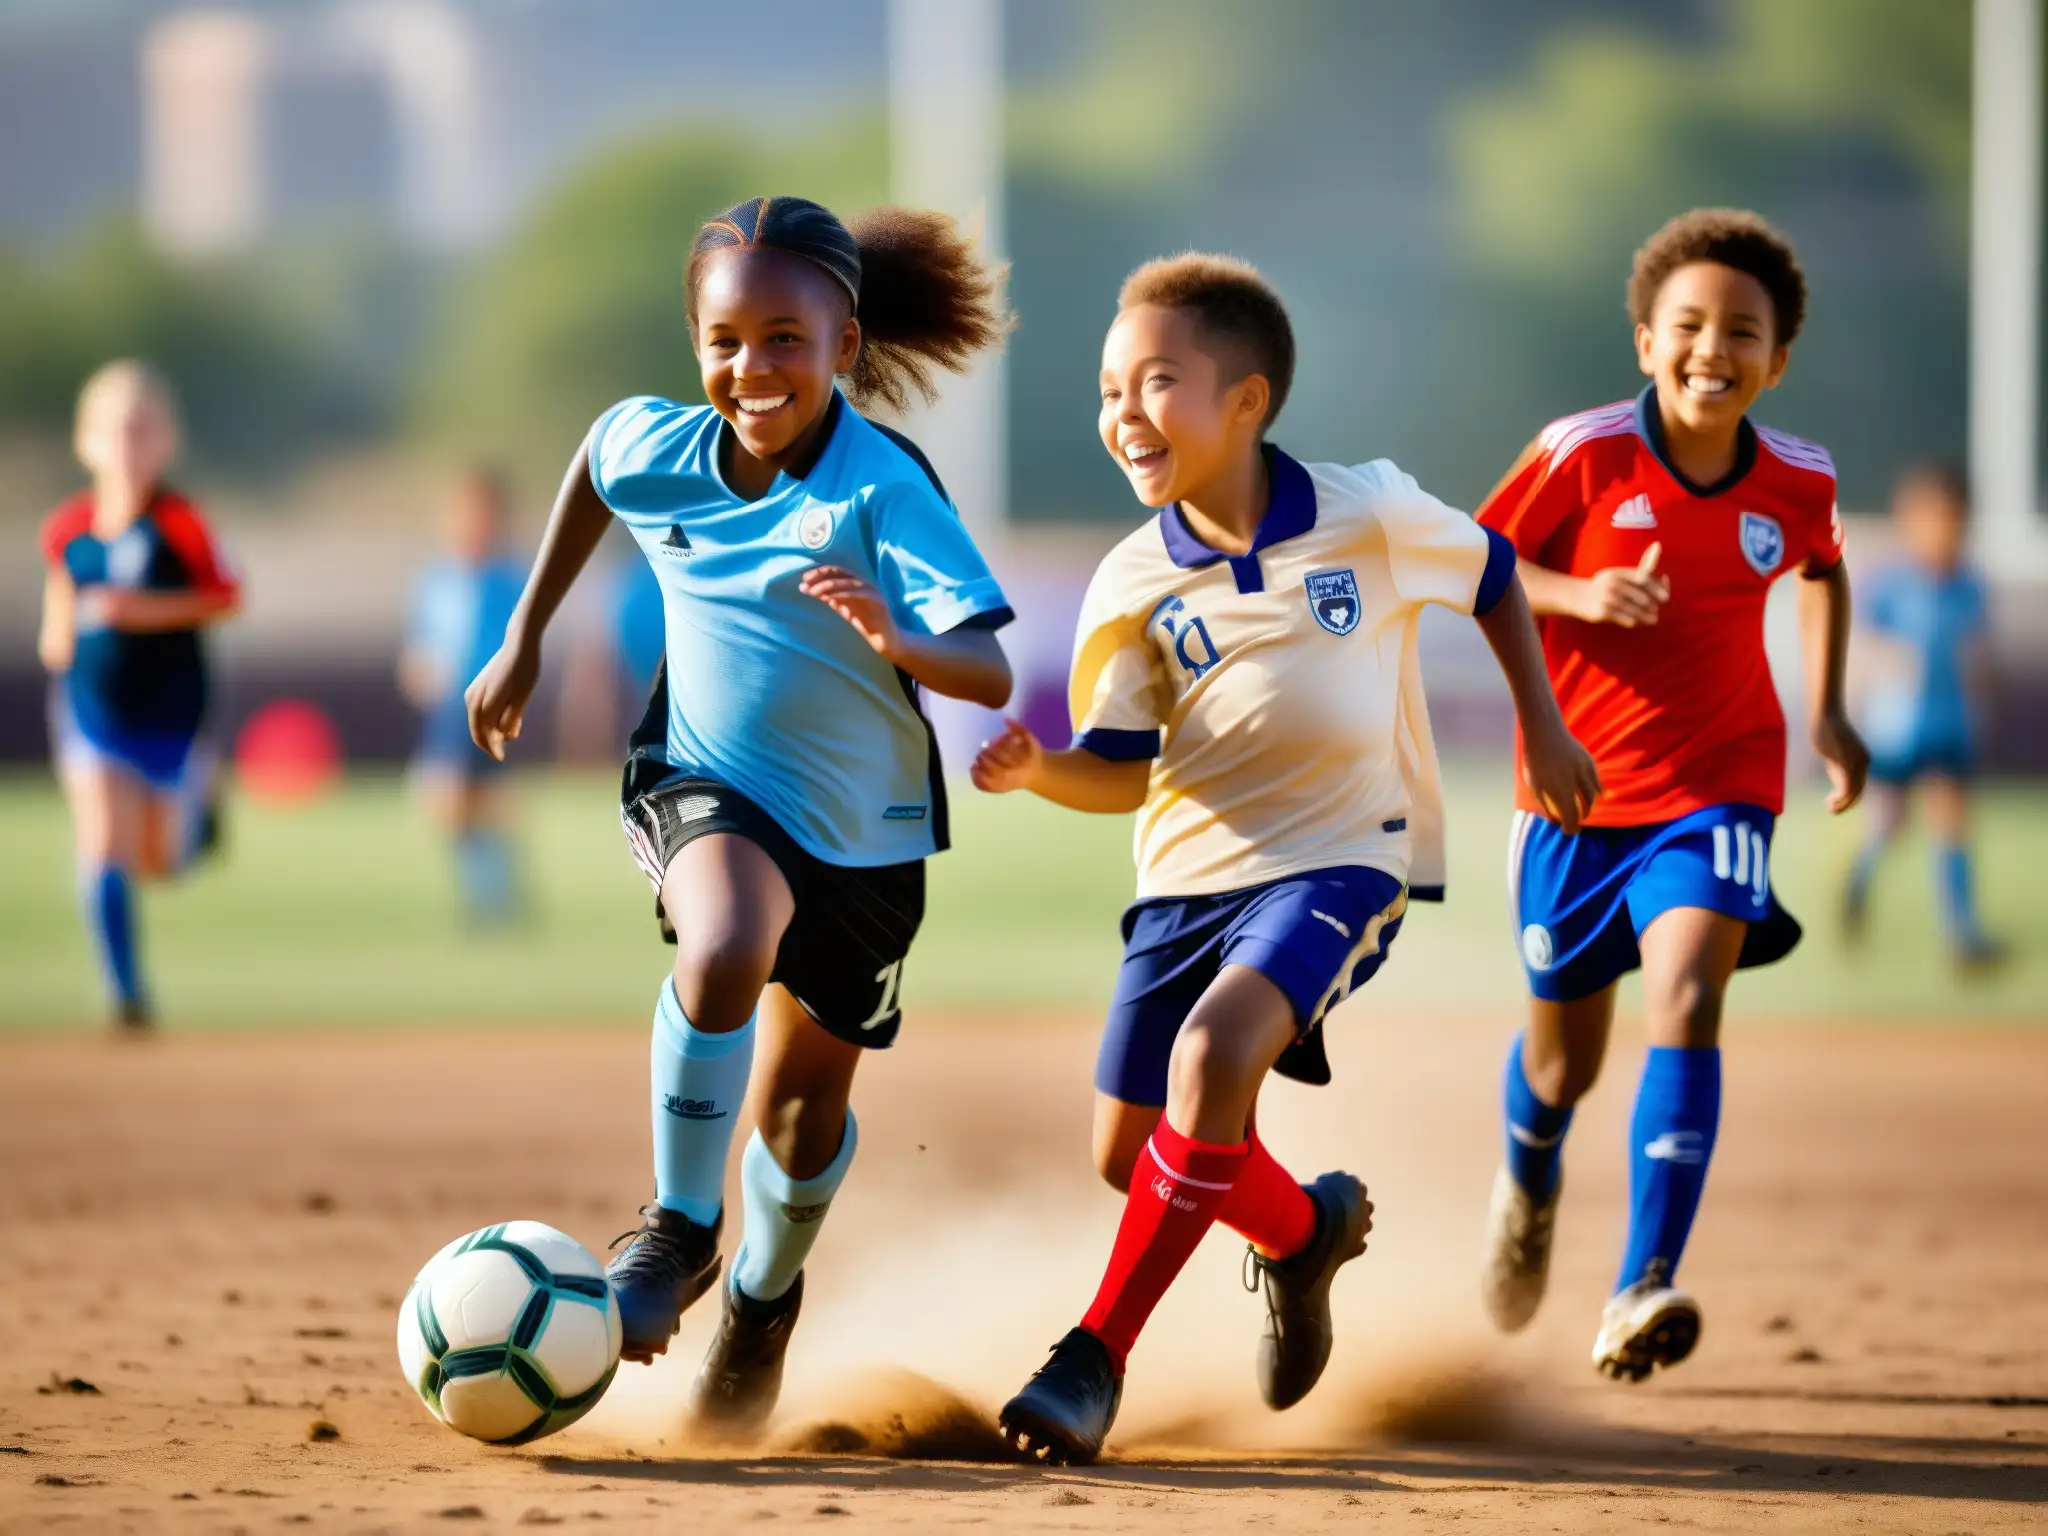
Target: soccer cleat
[
  {"x": 668, "y": 1263},
  {"x": 1518, "y": 1234},
  {"x": 133, "y": 1018},
  {"x": 1648, "y": 1325},
  {"x": 1065, "y": 1410},
  {"x": 1296, "y": 1344},
  {"x": 741, "y": 1377}
]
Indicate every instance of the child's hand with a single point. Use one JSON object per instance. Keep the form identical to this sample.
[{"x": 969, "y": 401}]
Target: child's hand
[
  {"x": 1009, "y": 761},
  {"x": 1560, "y": 773},
  {"x": 858, "y": 601},
  {"x": 497, "y": 699},
  {"x": 1846, "y": 758},
  {"x": 1627, "y": 595}
]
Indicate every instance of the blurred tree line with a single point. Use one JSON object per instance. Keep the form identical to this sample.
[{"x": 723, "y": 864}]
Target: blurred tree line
[{"x": 1448, "y": 195}]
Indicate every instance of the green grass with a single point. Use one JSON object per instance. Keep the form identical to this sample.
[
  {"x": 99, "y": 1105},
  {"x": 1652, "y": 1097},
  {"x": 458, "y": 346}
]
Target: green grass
[{"x": 344, "y": 912}]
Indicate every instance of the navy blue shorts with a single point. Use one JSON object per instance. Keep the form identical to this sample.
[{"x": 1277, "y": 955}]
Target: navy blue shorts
[
  {"x": 1581, "y": 902},
  {"x": 1316, "y": 937},
  {"x": 157, "y": 758},
  {"x": 1920, "y": 759},
  {"x": 447, "y": 746}
]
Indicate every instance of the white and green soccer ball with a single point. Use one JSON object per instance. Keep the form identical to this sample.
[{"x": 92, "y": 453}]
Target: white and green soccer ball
[{"x": 510, "y": 1333}]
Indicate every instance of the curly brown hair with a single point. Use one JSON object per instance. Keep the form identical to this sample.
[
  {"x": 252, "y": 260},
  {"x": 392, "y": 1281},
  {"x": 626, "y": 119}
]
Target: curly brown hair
[
  {"x": 1728, "y": 237},
  {"x": 1238, "y": 312},
  {"x": 924, "y": 297}
]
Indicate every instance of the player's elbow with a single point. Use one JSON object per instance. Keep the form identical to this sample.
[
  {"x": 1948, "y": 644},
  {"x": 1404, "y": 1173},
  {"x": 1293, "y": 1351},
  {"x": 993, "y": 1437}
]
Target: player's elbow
[{"x": 994, "y": 683}]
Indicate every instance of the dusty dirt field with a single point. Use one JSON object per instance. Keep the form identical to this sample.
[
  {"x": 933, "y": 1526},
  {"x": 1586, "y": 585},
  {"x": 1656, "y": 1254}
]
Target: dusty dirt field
[{"x": 214, "y": 1233}]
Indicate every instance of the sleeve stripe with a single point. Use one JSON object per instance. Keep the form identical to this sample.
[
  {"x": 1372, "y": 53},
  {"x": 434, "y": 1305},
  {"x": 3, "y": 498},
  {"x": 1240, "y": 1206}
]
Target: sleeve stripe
[
  {"x": 1500, "y": 570},
  {"x": 1565, "y": 436},
  {"x": 1797, "y": 451},
  {"x": 1119, "y": 746}
]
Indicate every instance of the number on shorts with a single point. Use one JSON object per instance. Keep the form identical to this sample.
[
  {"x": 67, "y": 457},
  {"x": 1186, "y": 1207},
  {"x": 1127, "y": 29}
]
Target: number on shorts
[
  {"x": 1741, "y": 858},
  {"x": 891, "y": 978}
]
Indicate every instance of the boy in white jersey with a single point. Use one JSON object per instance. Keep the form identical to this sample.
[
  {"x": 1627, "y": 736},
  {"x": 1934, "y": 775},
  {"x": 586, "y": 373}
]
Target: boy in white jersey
[{"x": 1245, "y": 678}]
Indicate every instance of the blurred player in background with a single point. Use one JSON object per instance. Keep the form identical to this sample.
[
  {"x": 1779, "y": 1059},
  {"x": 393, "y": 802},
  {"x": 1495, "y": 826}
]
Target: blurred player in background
[
  {"x": 461, "y": 605},
  {"x": 132, "y": 575},
  {"x": 1925, "y": 617},
  {"x": 1245, "y": 678},
  {"x": 1650, "y": 533},
  {"x": 784, "y": 789}
]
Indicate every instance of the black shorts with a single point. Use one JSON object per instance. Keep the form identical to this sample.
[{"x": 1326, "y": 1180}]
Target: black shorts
[{"x": 842, "y": 955}]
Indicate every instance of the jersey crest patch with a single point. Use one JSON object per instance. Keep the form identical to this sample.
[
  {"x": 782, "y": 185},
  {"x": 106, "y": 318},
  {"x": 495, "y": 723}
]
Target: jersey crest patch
[
  {"x": 1763, "y": 543},
  {"x": 1333, "y": 599},
  {"x": 815, "y": 528}
]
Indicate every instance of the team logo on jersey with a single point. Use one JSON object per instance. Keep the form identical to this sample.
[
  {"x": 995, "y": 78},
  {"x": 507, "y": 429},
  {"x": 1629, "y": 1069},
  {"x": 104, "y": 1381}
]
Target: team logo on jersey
[
  {"x": 1763, "y": 542},
  {"x": 1192, "y": 647},
  {"x": 677, "y": 543},
  {"x": 814, "y": 530},
  {"x": 1333, "y": 599},
  {"x": 1636, "y": 512}
]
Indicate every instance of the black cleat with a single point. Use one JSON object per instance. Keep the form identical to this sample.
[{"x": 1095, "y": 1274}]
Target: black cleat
[
  {"x": 668, "y": 1264},
  {"x": 133, "y": 1019},
  {"x": 741, "y": 1377},
  {"x": 1065, "y": 1411},
  {"x": 1296, "y": 1343}
]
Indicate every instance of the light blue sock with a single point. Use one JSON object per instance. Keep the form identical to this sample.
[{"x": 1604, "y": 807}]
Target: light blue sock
[
  {"x": 110, "y": 915},
  {"x": 1671, "y": 1140},
  {"x": 483, "y": 870},
  {"x": 1535, "y": 1131},
  {"x": 783, "y": 1215},
  {"x": 700, "y": 1082},
  {"x": 1953, "y": 885}
]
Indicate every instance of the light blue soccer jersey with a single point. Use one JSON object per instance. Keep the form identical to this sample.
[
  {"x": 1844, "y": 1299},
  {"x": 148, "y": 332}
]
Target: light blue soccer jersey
[
  {"x": 1938, "y": 618},
  {"x": 459, "y": 614},
  {"x": 769, "y": 691}
]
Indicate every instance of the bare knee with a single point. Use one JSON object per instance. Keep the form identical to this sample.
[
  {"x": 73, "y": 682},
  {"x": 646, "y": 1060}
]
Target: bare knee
[
  {"x": 1561, "y": 1076},
  {"x": 1686, "y": 1012},
  {"x": 721, "y": 968},
  {"x": 1121, "y": 1131}
]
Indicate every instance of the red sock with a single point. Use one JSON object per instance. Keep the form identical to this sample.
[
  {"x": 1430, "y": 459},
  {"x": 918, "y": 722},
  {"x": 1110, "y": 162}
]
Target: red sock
[
  {"x": 1266, "y": 1207},
  {"x": 1177, "y": 1187}
]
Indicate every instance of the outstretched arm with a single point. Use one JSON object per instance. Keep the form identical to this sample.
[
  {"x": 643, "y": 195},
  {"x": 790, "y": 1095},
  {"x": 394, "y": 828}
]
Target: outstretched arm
[
  {"x": 1558, "y": 769},
  {"x": 963, "y": 663},
  {"x": 1075, "y": 778},
  {"x": 497, "y": 699},
  {"x": 1824, "y": 612}
]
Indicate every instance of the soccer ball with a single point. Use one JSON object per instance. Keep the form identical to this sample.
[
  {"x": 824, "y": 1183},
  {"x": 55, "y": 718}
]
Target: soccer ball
[{"x": 510, "y": 1333}]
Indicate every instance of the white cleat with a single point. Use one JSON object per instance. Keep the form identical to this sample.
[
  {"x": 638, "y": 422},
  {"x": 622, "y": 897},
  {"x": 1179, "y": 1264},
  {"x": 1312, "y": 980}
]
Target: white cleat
[
  {"x": 1648, "y": 1325},
  {"x": 1518, "y": 1234}
]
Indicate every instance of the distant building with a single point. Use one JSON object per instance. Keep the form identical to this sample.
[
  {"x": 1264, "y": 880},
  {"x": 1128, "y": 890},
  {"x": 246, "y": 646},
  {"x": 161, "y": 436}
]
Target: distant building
[{"x": 257, "y": 122}]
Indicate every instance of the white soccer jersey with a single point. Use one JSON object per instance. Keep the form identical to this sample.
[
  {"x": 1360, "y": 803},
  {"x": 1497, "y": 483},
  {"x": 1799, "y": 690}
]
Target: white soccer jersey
[{"x": 1278, "y": 692}]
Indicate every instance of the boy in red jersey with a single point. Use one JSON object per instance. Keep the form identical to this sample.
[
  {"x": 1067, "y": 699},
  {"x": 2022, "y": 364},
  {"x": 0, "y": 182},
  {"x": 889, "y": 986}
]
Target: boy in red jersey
[{"x": 1650, "y": 533}]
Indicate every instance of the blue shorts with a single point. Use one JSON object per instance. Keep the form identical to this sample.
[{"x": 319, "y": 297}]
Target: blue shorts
[
  {"x": 1951, "y": 759},
  {"x": 447, "y": 747},
  {"x": 1581, "y": 902},
  {"x": 1316, "y": 937},
  {"x": 158, "y": 759}
]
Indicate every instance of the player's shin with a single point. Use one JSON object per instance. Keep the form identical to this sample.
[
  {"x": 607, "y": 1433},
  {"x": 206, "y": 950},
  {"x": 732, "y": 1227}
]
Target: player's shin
[
  {"x": 1178, "y": 1188},
  {"x": 107, "y": 895},
  {"x": 783, "y": 1215},
  {"x": 1677, "y": 1112},
  {"x": 699, "y": 1082}
]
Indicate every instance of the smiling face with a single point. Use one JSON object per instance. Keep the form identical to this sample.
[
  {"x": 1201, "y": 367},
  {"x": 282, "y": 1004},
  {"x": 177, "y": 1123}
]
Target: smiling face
[
  {"x": 1711, "y": 345},
  {"x": 126, "y": 431},
  {"x": 1171, "y": 416},
  {"x": 772, "y": 331}
]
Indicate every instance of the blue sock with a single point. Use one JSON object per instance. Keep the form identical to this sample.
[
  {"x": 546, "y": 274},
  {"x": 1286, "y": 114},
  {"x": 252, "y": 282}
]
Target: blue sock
[
  {"x": 110, "y": 914},
  {"x": 483, "y": 870},
  {"x": 700, "y": 1082},
  {"x": 1671, "y": 1139},
  {"x": 783, "y": 1215},
  {"x": 1953, "y": 885},
  {"x": 1535, "y": 1132},
  {"x": 1865, "y": 869}
]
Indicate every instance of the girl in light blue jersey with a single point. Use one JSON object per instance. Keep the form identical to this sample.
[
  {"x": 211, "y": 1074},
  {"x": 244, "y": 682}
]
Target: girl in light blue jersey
[{"x": 783, "y": 790}]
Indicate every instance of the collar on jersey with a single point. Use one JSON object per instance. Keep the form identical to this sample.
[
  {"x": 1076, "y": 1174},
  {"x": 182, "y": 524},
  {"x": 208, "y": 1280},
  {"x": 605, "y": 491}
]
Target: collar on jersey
[
  {"x": 1290, "y": 510},
  {"x": 797, "y": 471},
  {"x": 1650, "y": 426}
]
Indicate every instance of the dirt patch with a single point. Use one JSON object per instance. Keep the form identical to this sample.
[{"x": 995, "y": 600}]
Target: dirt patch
[{"x": 203, "y": 1242}]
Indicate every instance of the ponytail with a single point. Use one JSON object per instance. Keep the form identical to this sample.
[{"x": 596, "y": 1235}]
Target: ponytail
[{"x": 923, "y": 296}]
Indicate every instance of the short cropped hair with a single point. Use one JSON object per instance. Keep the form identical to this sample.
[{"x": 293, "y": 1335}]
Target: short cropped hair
[
  {"x": 1728, "y": 237},
  {"x": 1945, "y": 477},
  {"x": 1239, "y": 314}
]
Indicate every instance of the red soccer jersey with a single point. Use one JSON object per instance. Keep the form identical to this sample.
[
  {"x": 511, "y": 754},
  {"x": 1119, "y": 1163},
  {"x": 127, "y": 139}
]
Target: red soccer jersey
[{"x": 1680, "y": 715}]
